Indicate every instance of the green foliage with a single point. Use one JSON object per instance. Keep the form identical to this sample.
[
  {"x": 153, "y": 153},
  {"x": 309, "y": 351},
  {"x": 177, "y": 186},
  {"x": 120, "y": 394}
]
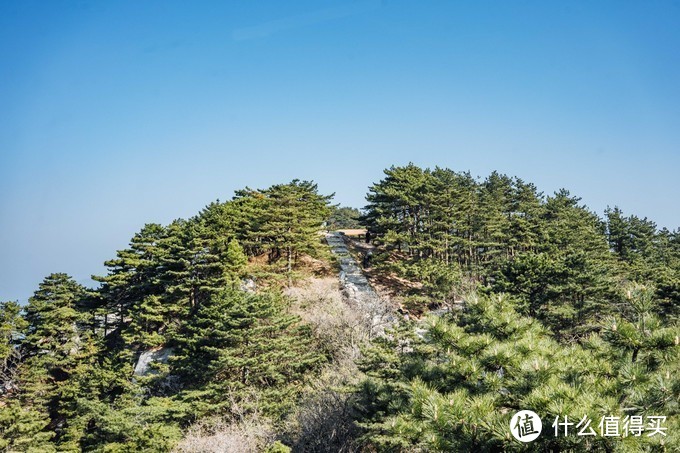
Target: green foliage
[
  {"x": 343, "y": 218},
  {"x": 56, "y": 355},
  {"x": 560, "y": 340},
  {"x": 132, "y": 276},
  {"x": 22, "y": 428},
  {"x": 550, "y": 331},
  {"x": 456, "y": 388},
  {"x": 239, "y": 343},
  {"x": 12, "y": 325},
  {"x": 67, "y": 360},
  {"x": 451, "y": 217},
  {"x": 283, "y": 221},
  {"x": 439, "y": 280},
  {"x": 631, "y": 238},
  {"x": 278, "y": 447},
  {"x": 448, "y": 231},
  {"x": 131, "y": 424}
]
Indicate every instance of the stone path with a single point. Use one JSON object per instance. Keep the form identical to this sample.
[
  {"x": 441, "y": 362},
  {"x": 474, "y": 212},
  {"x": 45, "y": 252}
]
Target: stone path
[{"x": 358, "y": 292}]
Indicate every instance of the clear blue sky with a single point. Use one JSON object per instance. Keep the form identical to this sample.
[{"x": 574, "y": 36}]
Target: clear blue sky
[{"x": 114, "y": 114}]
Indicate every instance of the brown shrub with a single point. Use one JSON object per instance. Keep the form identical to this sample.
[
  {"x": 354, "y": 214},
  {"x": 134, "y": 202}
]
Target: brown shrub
[
  {"x": 245, "y": 431},
  {"x": 341, "y": 329}
]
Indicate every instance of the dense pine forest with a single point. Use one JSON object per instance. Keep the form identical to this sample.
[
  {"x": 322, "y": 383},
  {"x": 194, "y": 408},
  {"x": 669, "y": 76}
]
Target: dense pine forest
[{"x": 229, "y": 331}]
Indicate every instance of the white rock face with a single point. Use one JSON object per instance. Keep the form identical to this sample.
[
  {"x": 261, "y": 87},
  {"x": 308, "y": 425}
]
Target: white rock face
[
  {"x": 248, "y": 285},
  {"x": 143, "y": 365}
]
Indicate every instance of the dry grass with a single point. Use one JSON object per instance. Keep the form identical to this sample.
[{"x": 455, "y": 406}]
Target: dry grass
[
  {"x": 319, "y": 302},
  {"x": 273, "y": 275},
  {"x": 225, "y": 437},
  {"x": 244, "y": 432},
  {"x": 316, "y": 267},
  {"x": 324, "y": 419}
]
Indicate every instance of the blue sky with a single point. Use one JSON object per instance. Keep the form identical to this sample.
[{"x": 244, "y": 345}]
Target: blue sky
[{"x": 114, "y": 114}]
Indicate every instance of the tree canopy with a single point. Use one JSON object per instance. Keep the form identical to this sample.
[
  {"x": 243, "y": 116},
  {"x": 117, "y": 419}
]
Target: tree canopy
[{"x": 512, "y": 300}]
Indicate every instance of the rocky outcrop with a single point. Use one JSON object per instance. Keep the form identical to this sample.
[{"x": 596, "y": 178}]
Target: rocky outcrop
[
  {"x": 358, "y": 292},
  {"x": 147, "y": 358}
]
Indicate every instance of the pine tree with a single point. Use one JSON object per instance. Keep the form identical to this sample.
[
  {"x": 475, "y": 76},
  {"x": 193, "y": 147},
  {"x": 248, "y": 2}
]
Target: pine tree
[
  {"x": 238, "y": 343},
  {"x": 21, "y": 427},
  {"x": 525, "y": 213},
  {"x": 666, "y": 272},
  {"x": 58, "y": 353},
  {"x": 147, "y": 324},
  {"x": 494, "y": 218},
  {"x": 617, "y": 232},
  {"x": 456, "y": 385},
  {"x": 12, "y": 325},
  {"x": 196, "y": 265},
  {"x": 565, "y": 279},
  {"x": 343, "y": 217},
  {"x": 395, "y": 207},
  {"x": 133, "y": 275},
  {"x": 52, "y": 335},
  {"x": 236, "y": 260},
  {"x": 284, "y": 221}
]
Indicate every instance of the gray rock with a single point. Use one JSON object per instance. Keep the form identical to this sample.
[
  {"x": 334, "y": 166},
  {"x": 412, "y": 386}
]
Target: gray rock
[
  {"x": 248, "y": 285},
  {"x": 146, "y": 358}
]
